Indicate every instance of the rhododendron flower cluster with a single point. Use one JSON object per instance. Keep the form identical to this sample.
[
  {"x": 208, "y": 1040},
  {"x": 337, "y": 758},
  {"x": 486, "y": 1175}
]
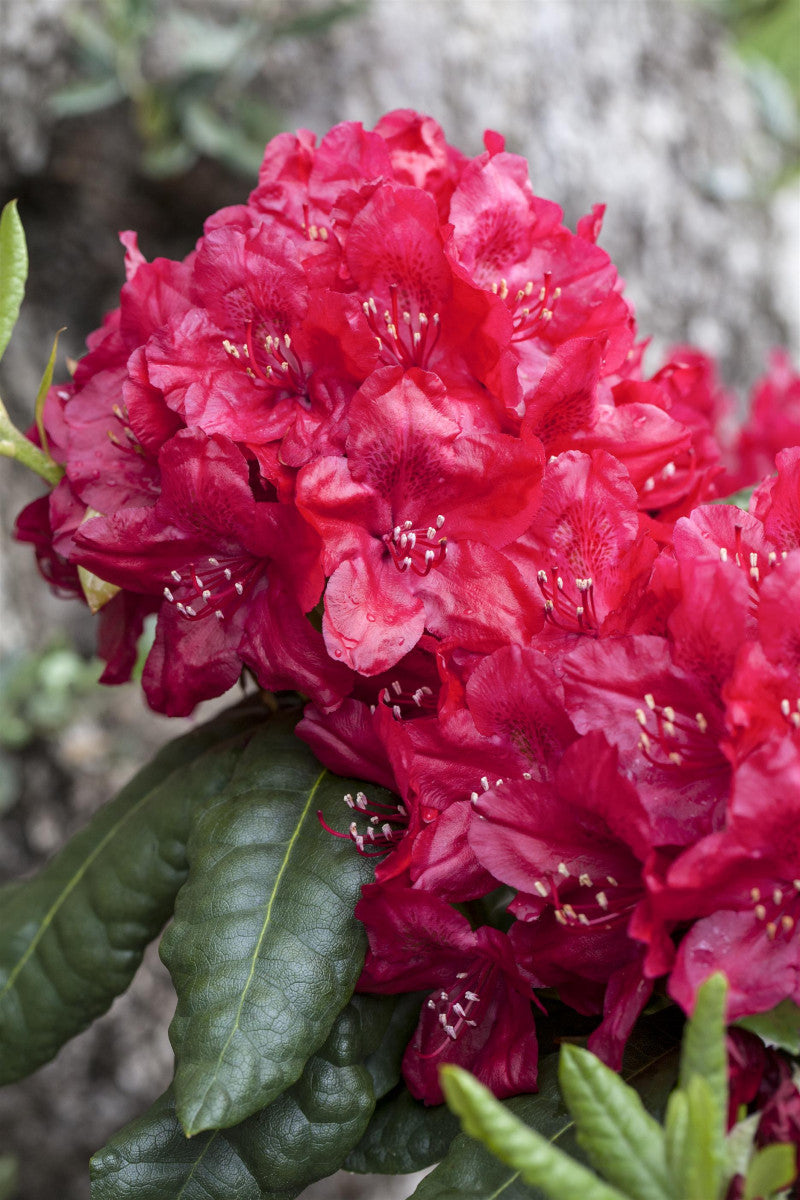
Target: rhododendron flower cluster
[{"x": 385, "y": 438}]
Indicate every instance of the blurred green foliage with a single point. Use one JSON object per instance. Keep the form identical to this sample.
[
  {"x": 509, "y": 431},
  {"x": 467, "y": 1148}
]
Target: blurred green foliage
[
  {"x": 767, "y": 36},
  {"x": 192, "y": 79},
  {"x": 769, "y": 29},
  {"x": 8, "y": 1177},
  {"x": 39, "y": 696}
]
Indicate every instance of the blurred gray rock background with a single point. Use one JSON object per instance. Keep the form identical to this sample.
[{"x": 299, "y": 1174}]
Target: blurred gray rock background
[{"x": 640, "y": 104}]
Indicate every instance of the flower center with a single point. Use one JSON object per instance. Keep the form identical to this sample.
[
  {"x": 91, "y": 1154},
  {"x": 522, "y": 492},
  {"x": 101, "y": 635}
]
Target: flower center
[
  {"x": 573, "y": 612},
  {"x": 532, "y": 310},
  {"x": 218, "y": 590},
  {"x": 387, "y": 824},
  {"x": 778, "y": 910},
  {"x": 403, "y": 337},
  {"x": 407, "y": 703},
  {"x": 418, "y": 550},
  {"x": 585, "y": 902},
  {"x": 674, "y": 739},
  {"x": 271, "y": 359},
  {"x": 457, "y": 1008}
]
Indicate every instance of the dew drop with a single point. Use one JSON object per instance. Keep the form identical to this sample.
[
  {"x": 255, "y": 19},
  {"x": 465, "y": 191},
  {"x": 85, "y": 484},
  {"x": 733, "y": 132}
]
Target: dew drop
[
  {"x": 337, "y": 654},
  {"x": 370, "y": 616}
]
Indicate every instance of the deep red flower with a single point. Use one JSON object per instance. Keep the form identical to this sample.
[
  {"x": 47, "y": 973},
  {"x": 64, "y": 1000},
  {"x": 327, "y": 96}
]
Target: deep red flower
[
  {"x": 742, "y": 886},
  {"x": 667, "y": 724},
  {"x": 585, "y": 547},
  {"x": 205, "y": 548},
  {"x": 479, "y": 1013},
  {"x": 413, "y": 520},
  {"x": 574, "y": 848}
]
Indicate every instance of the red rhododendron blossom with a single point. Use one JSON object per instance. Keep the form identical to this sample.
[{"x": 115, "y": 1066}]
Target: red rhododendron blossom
[
  {"x": 385, "y": 440},
  {"x": 744, "y": 884},
  {"x": 573, "y": 849},
  {"x": 412, "y": 521},
  {"x": 479, "y": 1015},
  {"x": 205, "y": 547}
]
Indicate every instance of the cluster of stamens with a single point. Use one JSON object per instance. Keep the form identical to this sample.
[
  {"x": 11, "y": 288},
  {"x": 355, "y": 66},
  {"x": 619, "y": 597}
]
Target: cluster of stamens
[
  {"x": 791, "y": 715},
  {"x": 605, "y": 907},
  {"x": 421, "y": 700},
  {"x": 402, "y": 337},
  {"x": 129, "y": 441},
  {"x": 271, "y": 359},
  {"x": 386, "y": 825},
  {"x": 418, "y": 550},
  {"x": 750, "y": 562},
  {"x": 532, "y": 308},
  {"x": 572, "y": 613},
  {"x": 666, "y": 473},
  {"x": 456, "y": 1009},
  {"x": 673, "y": 738},
  {"x": 221, "y": 586},
  {"x": 779, "y": 909}
]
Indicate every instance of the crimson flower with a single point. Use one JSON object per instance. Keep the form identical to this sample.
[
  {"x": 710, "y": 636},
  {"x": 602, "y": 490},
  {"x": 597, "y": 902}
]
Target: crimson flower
[
  {"x": 479, "y": 1013},
  {"x": 413, "y": 521}
]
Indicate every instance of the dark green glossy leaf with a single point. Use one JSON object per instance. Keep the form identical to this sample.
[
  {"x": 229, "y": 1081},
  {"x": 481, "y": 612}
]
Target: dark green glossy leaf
[
  {"x": 623, "y": 1142},
  {"x": 302, "y": 1136},
  {"x": 384, "y": 1060},
  {"x": 470, "y": 1172},
  {"x": 13, "y": 270},
  {"x": 524, "y": 1150},
  {"x": 404, "y": 1135},
  {"x": 264, "y": 950},
  {"x": 780, "y": 1026},
  {"x": 72, "y": 937}
]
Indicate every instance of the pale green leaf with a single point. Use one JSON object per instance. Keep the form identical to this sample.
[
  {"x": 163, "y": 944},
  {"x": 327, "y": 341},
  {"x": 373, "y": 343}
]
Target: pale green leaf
[
  {"x": 537, "y": 1160},
  {"x": 13, "y": 271},
  {"x": 623, "y": 1142},
  {"x": 772, "y": 1168}
]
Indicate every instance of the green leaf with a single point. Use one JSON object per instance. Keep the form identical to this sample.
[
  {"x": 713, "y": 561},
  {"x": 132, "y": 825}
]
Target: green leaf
[
  {"x": 470, "y": 1172},
  {"x": 302, "y": 1136},
  {"x": 44, "y": 388},
  {"x": 741, "y": 498},
  {"x": 771, "y": 1169},
  {"x": 8, "y": 1177},
  {"x": 676, "y": 1132},
  {"x": 739, "y": 1145},
  {"x": 780, "y": 1026},
  {"x": 384, "y": 1060},
  {"x": 703, "y": 1164},
  {"x": 704, "y": 1051},
  {"x": 264, "y": 950},
  {"x": 13, "y": 270},
  {"x": 88, "y": 96},
  {"x": 72, "y": 937},
  {"x": 536, "y": 1159},
  {"x": 403, "y": 1135},
  {"x": 623, "y": 1142}
]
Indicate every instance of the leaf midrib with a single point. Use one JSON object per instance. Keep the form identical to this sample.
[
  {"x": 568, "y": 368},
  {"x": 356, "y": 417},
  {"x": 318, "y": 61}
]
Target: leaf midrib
[{"x": 255, "y": 955}]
